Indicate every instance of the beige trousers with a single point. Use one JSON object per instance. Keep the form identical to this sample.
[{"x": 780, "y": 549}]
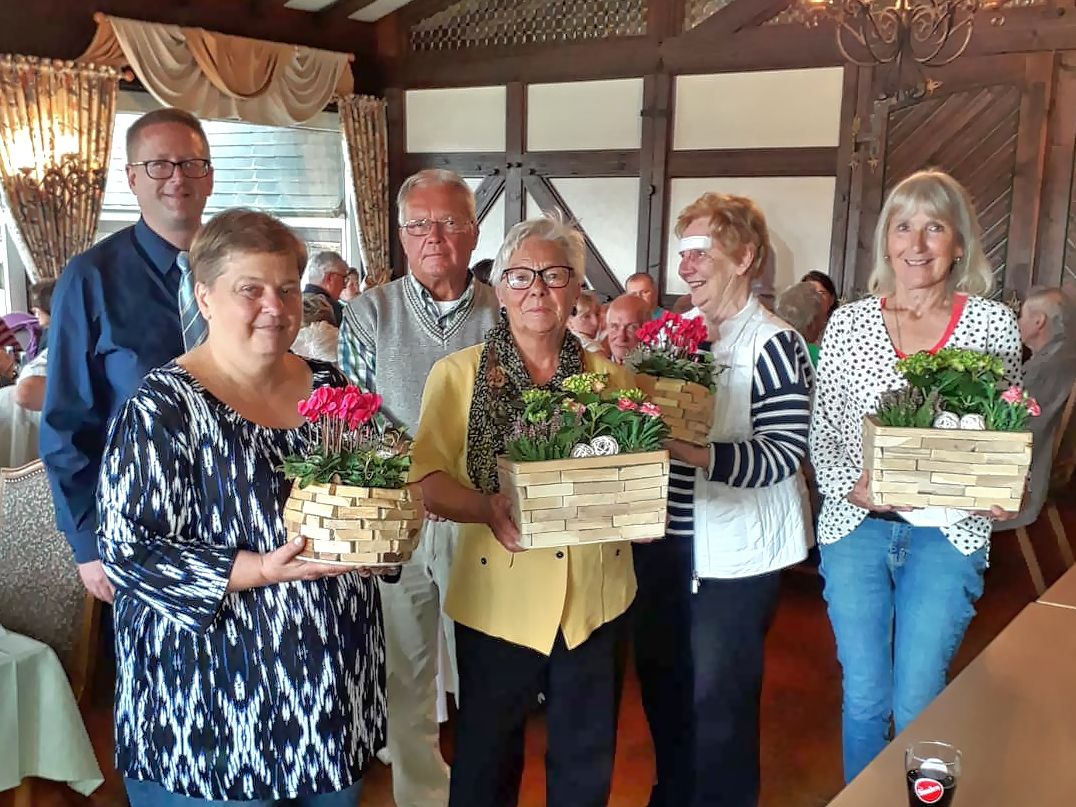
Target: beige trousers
[{"x": 415, "y": 631}]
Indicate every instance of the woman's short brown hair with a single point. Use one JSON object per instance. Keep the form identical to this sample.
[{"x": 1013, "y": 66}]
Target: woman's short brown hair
[
  {"x": 243, "y": 231},
  {"x": 736, "y": 223}
]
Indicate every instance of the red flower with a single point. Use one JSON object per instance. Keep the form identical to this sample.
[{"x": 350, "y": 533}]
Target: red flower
[
  {"x": 653, "y": 410},
  {"x": 682, "y": 334},
  {"x": 626, "y": 405}
]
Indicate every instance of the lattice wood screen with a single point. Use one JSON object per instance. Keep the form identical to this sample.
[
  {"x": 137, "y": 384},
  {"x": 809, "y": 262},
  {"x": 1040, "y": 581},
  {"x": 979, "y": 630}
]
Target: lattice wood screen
[
  {"x": 491, "y": 23},
  {"x": 972, "y": 135},
  {"x": 695, "y": 11}
]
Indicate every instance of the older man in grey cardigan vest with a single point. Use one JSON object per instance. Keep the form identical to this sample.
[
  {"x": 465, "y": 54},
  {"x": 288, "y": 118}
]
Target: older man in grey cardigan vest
[{"x": 390, "y": 338}]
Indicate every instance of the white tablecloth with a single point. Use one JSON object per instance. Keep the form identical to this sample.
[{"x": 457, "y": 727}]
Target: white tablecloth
[{"x": 41, "y": 729}]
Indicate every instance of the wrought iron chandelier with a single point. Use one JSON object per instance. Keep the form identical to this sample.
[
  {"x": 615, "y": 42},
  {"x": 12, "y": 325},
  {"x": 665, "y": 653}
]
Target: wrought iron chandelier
[{"x": 908, "y": 36}]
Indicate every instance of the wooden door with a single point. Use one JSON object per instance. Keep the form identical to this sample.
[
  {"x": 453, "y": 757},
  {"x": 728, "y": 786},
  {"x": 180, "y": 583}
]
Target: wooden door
[{"x": 986, "y": 125}]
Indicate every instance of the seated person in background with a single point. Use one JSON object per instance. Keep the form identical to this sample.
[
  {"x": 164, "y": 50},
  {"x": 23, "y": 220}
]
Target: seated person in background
[
  {"x": 626, "y": 313},
  {"x": 682, "y": 304},
  {"x": 584, "y": 321},
  {"x": 326, "y": 274},
  {"x": 319, "y": 337},
  {"x": 644, "y": 287},
  {"x": 823, "y": 284},
  {"x": 802, "y": 307},
  {"x": 482, "y": 269},
  {"x": 352, "y": 285},
  {"x": 1048, "y": 329},
  {"x": 30, "y": 385}
]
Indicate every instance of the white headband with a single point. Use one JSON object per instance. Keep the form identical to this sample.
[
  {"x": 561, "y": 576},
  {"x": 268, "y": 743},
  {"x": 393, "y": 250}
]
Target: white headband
[{"x": 692, "y": 242}]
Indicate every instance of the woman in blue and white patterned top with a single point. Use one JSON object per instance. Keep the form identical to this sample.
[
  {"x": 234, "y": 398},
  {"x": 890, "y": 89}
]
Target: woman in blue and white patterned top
[
  {"x": 900, "y": 597},
  {"x": 244, "y": 674}
]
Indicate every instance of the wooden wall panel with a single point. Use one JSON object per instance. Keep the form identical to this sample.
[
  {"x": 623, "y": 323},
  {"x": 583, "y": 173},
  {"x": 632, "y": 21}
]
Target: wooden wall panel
[{"x": 986, "y": 126}]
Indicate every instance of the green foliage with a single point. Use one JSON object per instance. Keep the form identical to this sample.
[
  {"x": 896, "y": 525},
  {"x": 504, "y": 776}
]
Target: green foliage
[
  {"x": 909, "y": 408},
  {"x": 552, "y": 423},
  {"x": 699, "y": 369},
  {"x": 966, "y": 380},
  {"x": 363, "y": 468}
]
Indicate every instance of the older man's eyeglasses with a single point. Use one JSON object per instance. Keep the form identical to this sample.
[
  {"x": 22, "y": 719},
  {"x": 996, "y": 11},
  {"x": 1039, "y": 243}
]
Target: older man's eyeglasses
[
  {"x": 522, "y": 277},
  {"x": 163, "y": 169},
  {"x": 425, "y": 226}
]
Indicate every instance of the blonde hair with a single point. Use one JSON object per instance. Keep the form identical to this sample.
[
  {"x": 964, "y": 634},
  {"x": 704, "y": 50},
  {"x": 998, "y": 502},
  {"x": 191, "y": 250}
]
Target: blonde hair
[
  {"x": 243, "y": 231},
  {"x": 736, "y": 223},
  {"x": 940, "y": 196}
]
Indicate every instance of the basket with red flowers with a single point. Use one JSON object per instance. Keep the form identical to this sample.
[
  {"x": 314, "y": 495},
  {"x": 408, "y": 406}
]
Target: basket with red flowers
[
  {"x": 349, "y": 498},
  {"x": 677, "y": 375}
]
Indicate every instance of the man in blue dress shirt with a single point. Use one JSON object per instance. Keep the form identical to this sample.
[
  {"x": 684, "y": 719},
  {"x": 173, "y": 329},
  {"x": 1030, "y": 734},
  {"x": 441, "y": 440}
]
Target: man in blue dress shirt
[{"x": 116, "y": 316}]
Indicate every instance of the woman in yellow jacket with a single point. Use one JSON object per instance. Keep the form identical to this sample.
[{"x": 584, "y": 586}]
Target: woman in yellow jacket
[{"x": 541, "y": 620}]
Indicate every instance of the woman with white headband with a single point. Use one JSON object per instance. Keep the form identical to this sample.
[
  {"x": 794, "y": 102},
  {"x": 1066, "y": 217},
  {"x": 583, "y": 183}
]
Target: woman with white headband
[{"x": 741, "y": 500}]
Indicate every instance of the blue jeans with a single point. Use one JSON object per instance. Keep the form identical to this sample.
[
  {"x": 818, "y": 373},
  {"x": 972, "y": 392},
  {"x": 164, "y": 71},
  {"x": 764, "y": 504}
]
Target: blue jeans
[
  {"x": 900, "y": 599},
  {"x": 151, "y": 794}
]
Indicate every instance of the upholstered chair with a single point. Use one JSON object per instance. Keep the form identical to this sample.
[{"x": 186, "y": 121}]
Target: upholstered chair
[{"x": 41, "y": 595}]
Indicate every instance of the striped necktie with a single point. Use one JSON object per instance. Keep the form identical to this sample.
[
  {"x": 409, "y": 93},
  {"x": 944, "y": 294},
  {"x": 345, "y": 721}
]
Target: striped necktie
[{"x": 194, "y": 327}]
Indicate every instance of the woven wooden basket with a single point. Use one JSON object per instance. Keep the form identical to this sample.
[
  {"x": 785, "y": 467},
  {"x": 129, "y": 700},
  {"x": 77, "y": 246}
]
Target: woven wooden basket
[
  {"x": 687, "y": 407},
  {"x": 588, "y": 500},
  {"x": 959, "y": 468},
  {"x": 353, "y": 525}
]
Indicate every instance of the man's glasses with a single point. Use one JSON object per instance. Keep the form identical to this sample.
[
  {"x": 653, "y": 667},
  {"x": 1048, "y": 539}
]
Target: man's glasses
[
  {"x": 553, "y": 277},
  {"x": 163, "y": 169},
  {"x": 425, "y": 226}
]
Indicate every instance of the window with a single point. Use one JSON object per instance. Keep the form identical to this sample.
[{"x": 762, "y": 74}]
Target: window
[{"x": 296, "y": 174}]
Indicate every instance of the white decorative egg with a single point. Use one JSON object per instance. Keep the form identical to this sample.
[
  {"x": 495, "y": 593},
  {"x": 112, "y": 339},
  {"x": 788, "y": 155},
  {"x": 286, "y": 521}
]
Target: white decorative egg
[
  {"x": 580, "y": 450},
  {"x": 973, "y": 422},
  {"x": 947, "y": 420},
  {"x": 605, "y": 446}
]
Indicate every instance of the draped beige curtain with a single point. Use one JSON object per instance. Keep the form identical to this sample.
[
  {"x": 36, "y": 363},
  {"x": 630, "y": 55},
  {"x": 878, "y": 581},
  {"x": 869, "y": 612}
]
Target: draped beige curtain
[
  {"x": 56, "y": 126},
  {"x": 215, "y": 75},
  {"x": 364, "y": 124}
]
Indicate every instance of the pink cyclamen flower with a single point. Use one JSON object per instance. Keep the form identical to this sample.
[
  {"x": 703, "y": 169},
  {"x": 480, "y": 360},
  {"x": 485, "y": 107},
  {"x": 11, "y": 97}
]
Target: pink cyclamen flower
[
  {"x": 1012, "y": 395},
  {"x": 1033, "y": 407},
  {"x": 653, "y": 410},
  {"x": 626, "y": 405}
]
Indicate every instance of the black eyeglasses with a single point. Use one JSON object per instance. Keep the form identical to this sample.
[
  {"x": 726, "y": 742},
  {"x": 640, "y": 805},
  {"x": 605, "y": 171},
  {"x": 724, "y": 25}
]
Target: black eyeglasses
[
  {"x": 425, "y": 226},
  {"x": 163, "y": 169},
  {"x": 553, "y": 277}
]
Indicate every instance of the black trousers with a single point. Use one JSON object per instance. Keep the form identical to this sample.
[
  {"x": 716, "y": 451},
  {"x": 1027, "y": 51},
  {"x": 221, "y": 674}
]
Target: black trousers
[
  {"x": 729, "y": 623},
  {"x": 662, "y": 643},
  {"x": 499, "y": 686}
]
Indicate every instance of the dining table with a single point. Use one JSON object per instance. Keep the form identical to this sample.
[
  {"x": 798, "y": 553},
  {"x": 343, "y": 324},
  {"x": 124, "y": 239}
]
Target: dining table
[
  {"x": 41, "y": 729},
  {"x": 1012, "y": 714}
]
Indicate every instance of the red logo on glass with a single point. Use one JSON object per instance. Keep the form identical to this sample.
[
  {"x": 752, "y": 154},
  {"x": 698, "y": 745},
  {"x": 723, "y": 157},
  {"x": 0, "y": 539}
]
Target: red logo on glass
[{"x": 929, "y": 791}]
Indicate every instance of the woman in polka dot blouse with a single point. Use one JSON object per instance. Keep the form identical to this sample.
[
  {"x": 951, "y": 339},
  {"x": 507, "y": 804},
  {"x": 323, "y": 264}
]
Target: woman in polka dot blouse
[{"x": 900, "y": 597}]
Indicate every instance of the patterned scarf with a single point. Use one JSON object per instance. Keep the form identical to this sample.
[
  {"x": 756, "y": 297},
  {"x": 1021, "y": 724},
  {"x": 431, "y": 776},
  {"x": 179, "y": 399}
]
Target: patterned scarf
[{"x": 498, "y": 398}]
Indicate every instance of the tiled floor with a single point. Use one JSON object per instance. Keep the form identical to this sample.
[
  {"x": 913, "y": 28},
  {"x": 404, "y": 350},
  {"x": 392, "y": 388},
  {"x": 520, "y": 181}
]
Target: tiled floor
[{"x": 801, "y": 708}]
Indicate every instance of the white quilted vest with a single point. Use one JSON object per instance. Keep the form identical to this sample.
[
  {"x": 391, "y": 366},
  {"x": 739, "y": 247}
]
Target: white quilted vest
[{"x": 742, "y": 532}]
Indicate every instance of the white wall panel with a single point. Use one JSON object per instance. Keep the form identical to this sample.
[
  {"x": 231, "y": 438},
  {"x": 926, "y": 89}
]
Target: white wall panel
[
  {"x": 608, "y": 209},
  {"x": 798, "y": 211},
  {"x": 456, "y": 119},
  {"x": 491, "y": 230},
  {"x": 768, "y": 109},
  {"x": 585, "y": 115}
]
